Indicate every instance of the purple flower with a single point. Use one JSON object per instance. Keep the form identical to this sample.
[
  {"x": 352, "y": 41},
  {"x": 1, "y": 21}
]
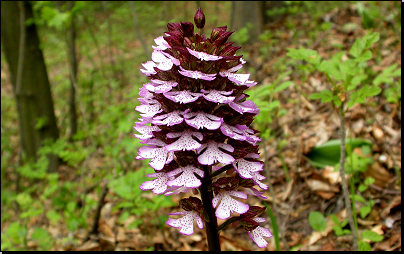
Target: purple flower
[
  {"x": 195, "y": 120},
  {"x": 159, "y": 86},
  {"x": 169, "y": 119},
  {"x": 159, "y": 155},
  {"x": 186, "y": 223},
  {"x": 158, "y": 185},
  {"x": 258, "y": 234},
  {"x": 203, "y": 56},
  {"x": 200, "y": 120},
  {"x": 182, "y": 96},
  {"x": 217, "y": 96},
  {"x": 228, "y": 204},
  {"x": 197, "y": 74},
  {"x": 149, "y": 68},
  {"x": 161, "y": 44},
  {"x": 212, "y": 154},
  {"x": 187, "y": 177},
  {"x": 185, "y": 141}
]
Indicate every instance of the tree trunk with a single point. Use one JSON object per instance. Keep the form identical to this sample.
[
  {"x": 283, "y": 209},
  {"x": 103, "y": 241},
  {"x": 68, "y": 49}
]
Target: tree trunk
[
  {"x": 248, "y": 12},
  {"x": 36, "y": 117}
]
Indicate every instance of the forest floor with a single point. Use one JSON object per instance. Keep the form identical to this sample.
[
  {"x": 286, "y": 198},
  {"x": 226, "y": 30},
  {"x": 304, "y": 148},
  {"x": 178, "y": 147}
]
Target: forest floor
[{"x": 302, "y": 188}]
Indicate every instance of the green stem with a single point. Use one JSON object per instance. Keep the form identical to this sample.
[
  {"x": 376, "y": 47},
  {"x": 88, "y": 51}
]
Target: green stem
[{"x": 210, "y": 224}]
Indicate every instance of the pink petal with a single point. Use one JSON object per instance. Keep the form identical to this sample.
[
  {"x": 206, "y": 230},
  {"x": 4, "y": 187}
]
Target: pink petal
[
  {"x": 185, "y": 142},
  {"x": 161, "y": 44},
  {"x": 213, "y": 154},
  {"x": 182, "y": 96},
  {"x": 197, "y": 74},
  {"x": 161, "y": 86},
  {"x": 217, "y": 96},
  {"x": 186, "y": 223},
  {"x": 149, "y": 68},
  {"x": 228, "y": 204},
  {"x": 187, "y": 177},
  {"x": 158, "y": 185},
  {"x": 169, "y": 119},
  {"x": 232, "y": 132},
  {"x": 200, "y": 120},
  {"x": 146, "y": 131},
  {"x": 159, "y": 155},
  {"x": 245, "y": 168},
  {"x": 258, "y": 234},
  {"x": 149, "y": 110},
  {"x": 204, "y": 56}
]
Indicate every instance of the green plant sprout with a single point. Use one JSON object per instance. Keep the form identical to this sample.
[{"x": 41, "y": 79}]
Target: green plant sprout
[{"x": 347, "y": 88}]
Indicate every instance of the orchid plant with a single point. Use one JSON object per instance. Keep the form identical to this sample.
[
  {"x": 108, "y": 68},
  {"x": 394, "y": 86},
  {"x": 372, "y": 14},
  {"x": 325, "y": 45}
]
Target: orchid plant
[{"x": 195, "y": 123}]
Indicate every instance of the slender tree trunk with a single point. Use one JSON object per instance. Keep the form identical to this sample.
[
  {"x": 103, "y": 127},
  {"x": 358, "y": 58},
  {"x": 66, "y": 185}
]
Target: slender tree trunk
[
  {"x": 248, "y": 12},
  {"x": 71, "y": 42},
  {"x": 36, "y": 117}
]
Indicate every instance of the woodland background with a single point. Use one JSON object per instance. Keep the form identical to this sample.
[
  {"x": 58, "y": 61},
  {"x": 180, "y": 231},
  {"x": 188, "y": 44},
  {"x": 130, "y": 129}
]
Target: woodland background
[{"x": 69, "y": 178}]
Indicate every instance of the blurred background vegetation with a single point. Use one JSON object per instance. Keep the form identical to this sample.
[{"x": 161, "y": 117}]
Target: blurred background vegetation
[{"x": 93, "y": 52}]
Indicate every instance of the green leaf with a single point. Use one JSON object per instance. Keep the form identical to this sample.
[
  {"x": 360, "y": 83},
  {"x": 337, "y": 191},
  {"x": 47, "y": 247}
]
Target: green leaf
[
  {"x": 368, "y": 181},
  {"x": 364, "y": 211},
  {"x": 358, "y": 198},
  {"x": 372, "y": 236},
  {"x": 335, "y": 219},
  {"x": 348, "y": 67},
  {"x": 364, "y": 246},
  {"x": 283, "y": 86},
  {"x": 329, "y": 152},
  {"x": 357, "y": 47},
  {"x": 309, "y": 55},
  {"x": 370, "y": 39},
  {"x": 324, "y": 95},
  {"x": 317, "y": 221},
  {"x": 53, "y": 216},
  {"x": 367, "y": 55},
  {"x": 338, "y": 230},
  {"x": 362, "y": 188}
]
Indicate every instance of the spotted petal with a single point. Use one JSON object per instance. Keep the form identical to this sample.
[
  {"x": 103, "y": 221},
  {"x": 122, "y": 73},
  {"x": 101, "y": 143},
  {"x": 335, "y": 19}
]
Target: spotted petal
[
  {"x": 232, "y": 132},
  {"x": 196, "y": 74},
  {"x": 213, "y": 154},
  {"x": 169, "y": 119},
  {"x": 161, "y": 86},
  {"x": 149, "y": 110},
  {"x": 187, "y": 177},
  {"x": 146, "y": 131},
  {"x": 186, "y": 223},
  {"x": 200, "y": 120},
  {"x": 185, "y": 142},
  {"x": 228, "y": 204},
  {"x": 245, "y": 107},
  {"x": 218, "y": 96},
  {"x": 258, "y": 234},
  {"x": 149, "y": 68},
  {"x": 159, "y": 155},
  {"x": 182, "y": 96},
  {"x": 158, "y": 185},
  {"x": 161, "y": 44},
  {"x": 204, "y": 56},
  {"x": 245, "y": 168}
]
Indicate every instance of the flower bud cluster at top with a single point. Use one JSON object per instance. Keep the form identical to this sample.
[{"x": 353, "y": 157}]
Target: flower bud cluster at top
[{"x": 196, "y": 120}]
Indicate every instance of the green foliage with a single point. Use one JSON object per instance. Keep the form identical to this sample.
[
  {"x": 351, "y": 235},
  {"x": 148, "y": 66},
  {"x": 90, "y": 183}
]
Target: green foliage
[
  {"x": 372, "y": 236},
  {"x": 329, "y": 153},
  {"x": 349, "y": 73},
  {"x": 264, "y": 97},
  {"x": 317, "y": 221},
  {"x": 339, "y": 226},
  {"x": 127, "y": 188},
  {"x": 242, "y": 35}
]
